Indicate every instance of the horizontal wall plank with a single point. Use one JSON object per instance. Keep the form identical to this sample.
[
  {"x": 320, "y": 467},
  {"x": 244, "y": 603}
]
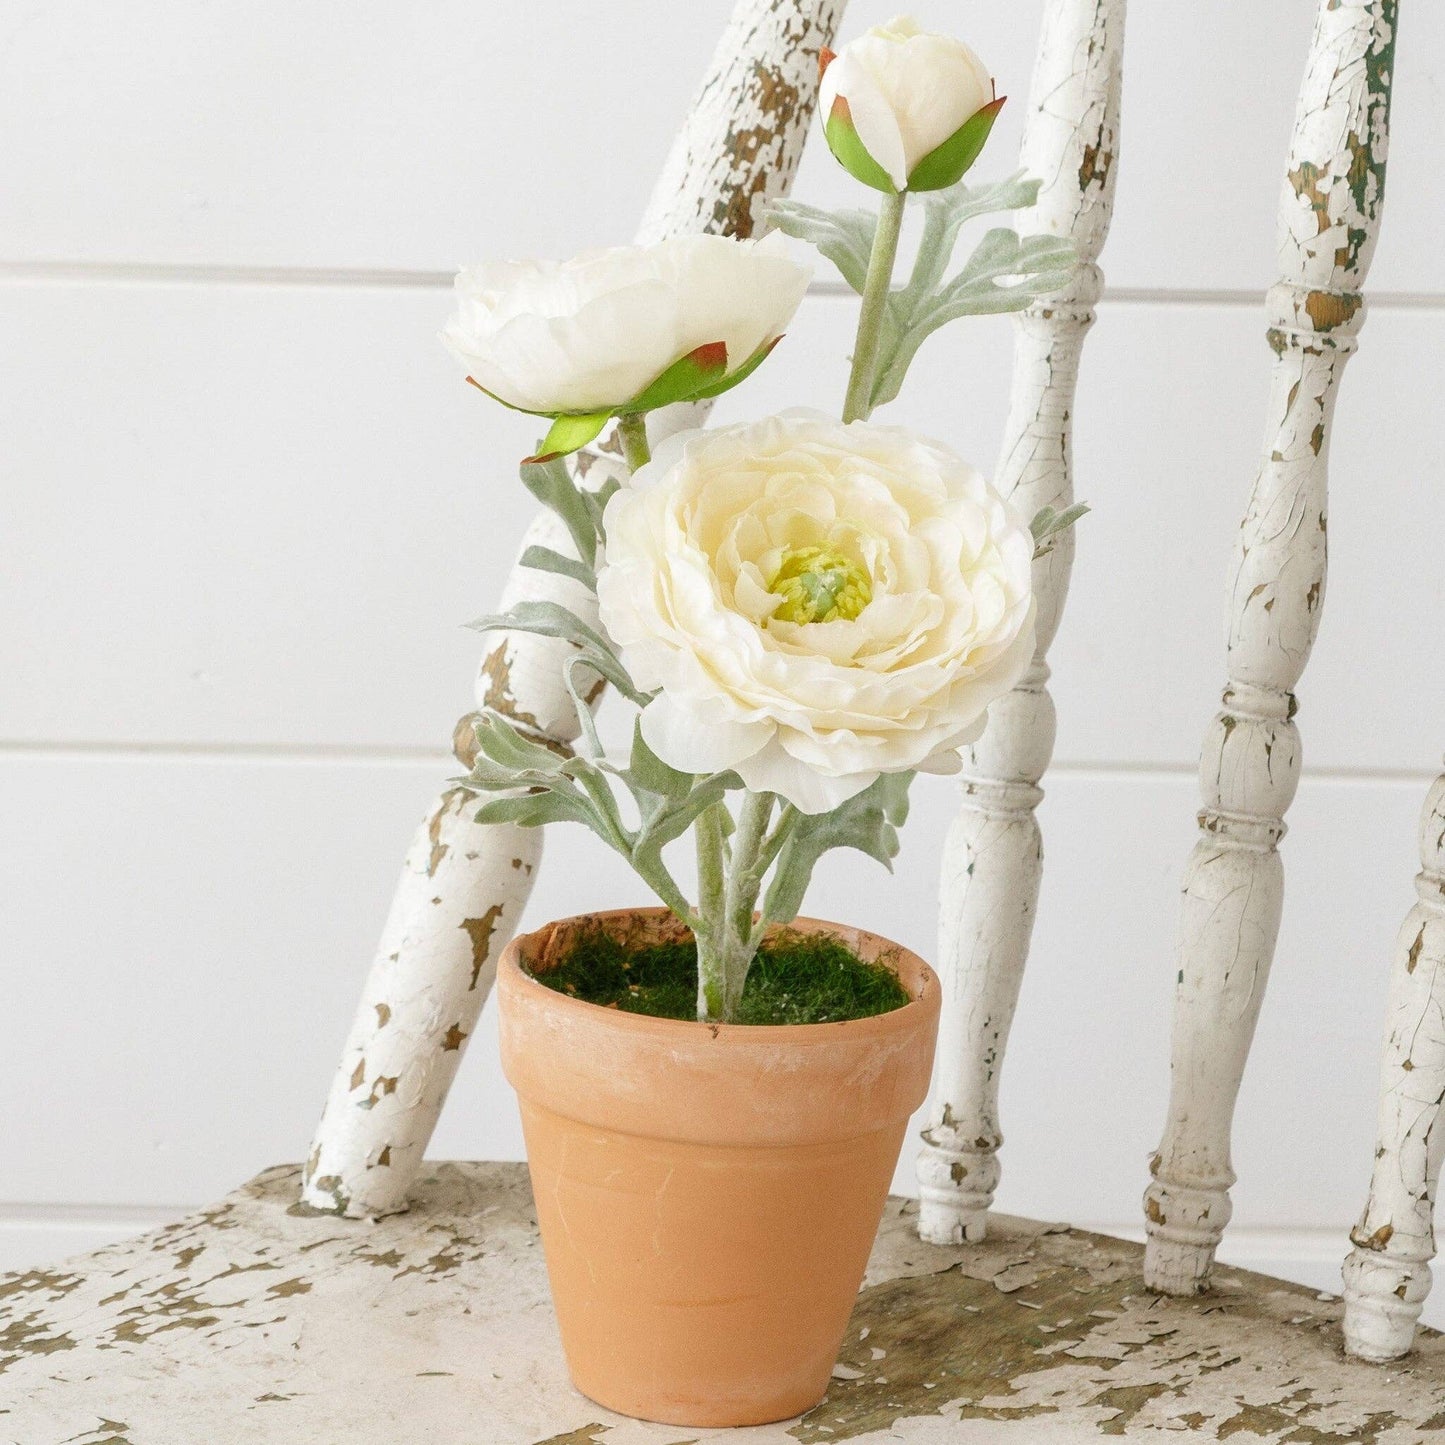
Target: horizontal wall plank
[
  {"x": 30, "y": 1242},
  {"x": 191, "y": 938},
  {"x": 268, "y": 134},
  {"x": 273, "y": 134},
  {"x": 263, "y": 516}
]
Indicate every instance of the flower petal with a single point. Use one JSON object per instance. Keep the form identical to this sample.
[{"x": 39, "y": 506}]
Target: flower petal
[
  {"x": 700, "y": 739},
  {"x": 774, "y": 770}
]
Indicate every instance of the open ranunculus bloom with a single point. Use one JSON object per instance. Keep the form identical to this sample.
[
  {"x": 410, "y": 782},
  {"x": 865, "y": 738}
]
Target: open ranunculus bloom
[
  {"x": 593, "y": 333},
  {"x": 817, "y": 603}
]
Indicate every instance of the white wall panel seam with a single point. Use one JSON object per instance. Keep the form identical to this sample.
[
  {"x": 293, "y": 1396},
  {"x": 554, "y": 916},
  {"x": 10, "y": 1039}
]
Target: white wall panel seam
[{"x": 146, "y": 273}]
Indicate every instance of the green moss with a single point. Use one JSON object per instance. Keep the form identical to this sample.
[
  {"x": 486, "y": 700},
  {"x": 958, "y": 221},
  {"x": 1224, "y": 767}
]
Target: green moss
[{"x": 795, "y": 979}]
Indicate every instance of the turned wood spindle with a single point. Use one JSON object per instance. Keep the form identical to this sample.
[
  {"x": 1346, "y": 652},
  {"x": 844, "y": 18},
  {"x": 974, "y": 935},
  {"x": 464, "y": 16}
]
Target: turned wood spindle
[
  {"x": 1329, "y": 220},
  {"x": 1387, "y": 1274},
  {"x": 993, "y": 855}
]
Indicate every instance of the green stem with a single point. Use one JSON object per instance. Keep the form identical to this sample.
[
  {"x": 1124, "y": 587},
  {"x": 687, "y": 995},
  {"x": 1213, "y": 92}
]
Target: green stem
[
  {"x": 729, "y": 881},
  {"x": 859, "y": 402},
  {"x": 711, "y": 927},
  {"x": 633, "y": 431},
  {"x": 788, "y": 820},
  {"x": 745, "y": 878}
]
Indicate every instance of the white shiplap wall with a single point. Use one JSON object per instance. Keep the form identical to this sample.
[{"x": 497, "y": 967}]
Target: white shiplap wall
[{"x": 246, "y": 505}]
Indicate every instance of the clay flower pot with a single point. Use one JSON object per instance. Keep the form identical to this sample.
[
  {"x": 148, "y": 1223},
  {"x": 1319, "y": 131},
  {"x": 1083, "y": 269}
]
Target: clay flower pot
[{"x": 707, "y": 1194}]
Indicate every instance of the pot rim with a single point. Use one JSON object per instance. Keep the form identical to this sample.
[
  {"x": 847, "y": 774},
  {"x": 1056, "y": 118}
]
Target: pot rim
[{"x": 922, "y": 995}]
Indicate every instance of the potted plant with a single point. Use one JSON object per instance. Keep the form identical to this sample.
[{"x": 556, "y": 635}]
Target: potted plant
[{"x": 804, "y": 611}]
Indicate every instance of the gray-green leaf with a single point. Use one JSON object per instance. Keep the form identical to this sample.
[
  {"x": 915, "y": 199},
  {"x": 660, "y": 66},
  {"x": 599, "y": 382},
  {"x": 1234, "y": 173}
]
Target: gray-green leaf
[
  {"x": 504, "y": 745},
  {"x": 533, "y": 810},
  {"x": 1005, "y": 273},
  {"x": 549, "y": 619},
  {"x": 544, "y": 559},
  {"x": 647, "y": 771},
  {"x": 552, "y": 485},
  {"x": 844, "y": 237},
  {"x": 943, "y": 214},
  {"x": 1048, "y": 524},
  {"x": 596, "y": 503},
  {"x": 868, "y": 822}
]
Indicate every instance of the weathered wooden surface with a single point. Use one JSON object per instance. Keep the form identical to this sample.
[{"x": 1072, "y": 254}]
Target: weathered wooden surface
[
  {"x": 463, "y": 887},
  {"x": 1329, "y": 220},
  {"x": 253, "y": 1321},
  {"x": 1387, "y": 1275},
  {"x": 993, "y": 857}
]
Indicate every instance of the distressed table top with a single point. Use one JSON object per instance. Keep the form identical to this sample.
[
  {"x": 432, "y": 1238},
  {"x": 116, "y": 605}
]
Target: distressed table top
[{"x": 251, "y": 1322}]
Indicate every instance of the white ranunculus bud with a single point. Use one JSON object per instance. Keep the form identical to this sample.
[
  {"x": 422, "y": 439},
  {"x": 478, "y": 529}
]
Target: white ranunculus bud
[
  {"x": 596, "y": 334},
  {"x": 816, "y": 603},
  {"x": 904, "y": 109}
]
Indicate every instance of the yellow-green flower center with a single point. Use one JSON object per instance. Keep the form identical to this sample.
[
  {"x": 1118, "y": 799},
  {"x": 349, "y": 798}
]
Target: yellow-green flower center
[{"x": 818, "y": 584}]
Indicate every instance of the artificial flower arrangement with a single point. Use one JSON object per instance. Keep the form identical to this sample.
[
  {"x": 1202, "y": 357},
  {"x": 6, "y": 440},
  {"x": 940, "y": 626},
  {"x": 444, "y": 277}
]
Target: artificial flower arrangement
[{"x": 805, "y": 612}]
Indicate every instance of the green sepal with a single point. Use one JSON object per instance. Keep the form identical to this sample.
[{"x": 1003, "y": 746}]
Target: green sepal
[
  {"x": 851, "y": 153},
  {"x": 685, "y": 380},
  {"x": 472, "y": 381},
  {"x": 729, "y": 381},
  {"x": 568, "y": 433},
  {"x": 945, "y": 164}
]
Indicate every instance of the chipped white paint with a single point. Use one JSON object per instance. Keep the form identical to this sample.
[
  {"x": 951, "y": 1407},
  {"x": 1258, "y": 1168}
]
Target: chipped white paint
[
  {"x": 1387, "y": 1274},
  {"x": 1233, "y": 886},
  {"x": 739, "y": 146},
  {"x": 250, "y": 1323},
  {"x": 461, "y": 893},
  {"x": 993, "y": 856}
]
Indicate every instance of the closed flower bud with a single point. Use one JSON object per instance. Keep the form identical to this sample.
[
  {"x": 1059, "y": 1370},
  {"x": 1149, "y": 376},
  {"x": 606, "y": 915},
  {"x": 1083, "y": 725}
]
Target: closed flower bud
[{"x": 906, "y": 110}]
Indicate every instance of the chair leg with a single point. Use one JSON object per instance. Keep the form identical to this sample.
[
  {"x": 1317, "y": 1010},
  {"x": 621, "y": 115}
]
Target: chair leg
[
  {"x": 992, "y": 861},
  {"x": 463, "y": 887},
  {"x": 1233, "y": 887},
  {"x": 993, "y": 856},
  {"x": 1387, "y": 1274},
  {"x": 458, "y": 901}
]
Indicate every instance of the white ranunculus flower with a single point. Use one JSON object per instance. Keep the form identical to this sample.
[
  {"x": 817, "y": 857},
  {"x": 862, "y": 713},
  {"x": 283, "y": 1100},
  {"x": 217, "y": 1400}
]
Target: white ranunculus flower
[
  {"x": 594, "y": 332},
  {"x": 818, "y": 603},
  {"x": 905, "y": 92}
]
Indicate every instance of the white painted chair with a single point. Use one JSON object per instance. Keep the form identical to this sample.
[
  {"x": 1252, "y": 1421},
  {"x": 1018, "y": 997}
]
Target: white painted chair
[
  {"x": 253, "y": 1320},
  {"x": 464, "y": 886},
  {"x": 1329, "y": 220}
]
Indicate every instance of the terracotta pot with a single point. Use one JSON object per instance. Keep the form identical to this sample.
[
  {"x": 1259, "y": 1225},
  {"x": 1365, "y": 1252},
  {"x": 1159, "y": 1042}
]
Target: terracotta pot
[{"x": 708, "y": 1194}]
